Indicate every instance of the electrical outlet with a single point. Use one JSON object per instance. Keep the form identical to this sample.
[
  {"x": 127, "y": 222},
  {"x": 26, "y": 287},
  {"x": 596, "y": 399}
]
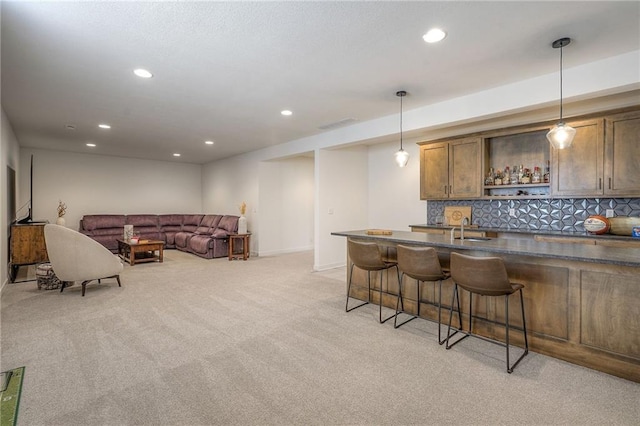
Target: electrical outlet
[
  {"x": 512, "y": 212},
  {"x": 610, "y": 213}
]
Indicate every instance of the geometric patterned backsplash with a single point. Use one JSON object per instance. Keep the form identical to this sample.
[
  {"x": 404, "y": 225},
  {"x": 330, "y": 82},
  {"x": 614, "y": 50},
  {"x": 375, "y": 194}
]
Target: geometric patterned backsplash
[{"x": 546, "y": 214}]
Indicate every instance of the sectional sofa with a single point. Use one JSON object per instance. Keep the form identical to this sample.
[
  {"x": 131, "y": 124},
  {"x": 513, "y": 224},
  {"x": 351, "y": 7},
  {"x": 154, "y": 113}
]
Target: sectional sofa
[{"x": 203, "y": 235}]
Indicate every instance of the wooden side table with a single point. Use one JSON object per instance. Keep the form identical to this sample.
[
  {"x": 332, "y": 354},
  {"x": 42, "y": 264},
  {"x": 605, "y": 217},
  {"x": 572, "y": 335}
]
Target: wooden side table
[{"x": 245, "y": 246}]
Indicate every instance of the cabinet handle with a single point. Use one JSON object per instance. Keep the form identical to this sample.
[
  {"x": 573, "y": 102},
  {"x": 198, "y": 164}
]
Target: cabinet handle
[
  {"x": 449, "y": 189},
  {"x": 445, "y": 190},
  {"x": 609, "y": 183},
  {"x": 599, "y": 183}
]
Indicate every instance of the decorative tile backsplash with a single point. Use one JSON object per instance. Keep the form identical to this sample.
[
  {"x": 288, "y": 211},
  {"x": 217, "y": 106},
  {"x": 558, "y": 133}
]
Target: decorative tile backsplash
[{"x": 552, "y": 214}]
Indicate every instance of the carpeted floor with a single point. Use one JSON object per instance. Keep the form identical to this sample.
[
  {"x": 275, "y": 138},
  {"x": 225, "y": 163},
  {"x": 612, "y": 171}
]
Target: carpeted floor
[{"x": 267, "y": 341}]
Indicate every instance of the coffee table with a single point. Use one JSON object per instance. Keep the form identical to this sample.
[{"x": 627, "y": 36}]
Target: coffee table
[{"x": 142, "y": 251}]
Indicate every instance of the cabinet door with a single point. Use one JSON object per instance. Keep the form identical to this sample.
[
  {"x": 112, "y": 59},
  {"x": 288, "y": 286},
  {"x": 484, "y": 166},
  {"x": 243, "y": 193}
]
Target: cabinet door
[
  {"x": 577, "y": 170},
  {"x": 434, "y": 171},
  {"x": 465, "y": 177},
  {"x": 28, "y": 245},
  {"x": 622, "y": 155}
]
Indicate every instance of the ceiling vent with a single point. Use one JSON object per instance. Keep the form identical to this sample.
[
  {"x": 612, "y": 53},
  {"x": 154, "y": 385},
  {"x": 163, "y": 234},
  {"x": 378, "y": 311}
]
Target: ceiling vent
[
  {"x": 70, "y": 126},
  {"x": 343, "y": 122}
]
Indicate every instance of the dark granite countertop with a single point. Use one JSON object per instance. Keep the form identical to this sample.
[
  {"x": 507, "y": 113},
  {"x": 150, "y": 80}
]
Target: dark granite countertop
[
  {"x": 581, "y": 234},
  {"x": 523, "y": 247}
]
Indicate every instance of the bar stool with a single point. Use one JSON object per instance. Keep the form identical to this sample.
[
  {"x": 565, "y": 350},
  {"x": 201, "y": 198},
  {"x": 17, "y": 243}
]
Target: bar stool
[
  {"x": 486, "y": 276},
  {"x": 367, "y": 257},
  {"x": 421, "y": 264}
]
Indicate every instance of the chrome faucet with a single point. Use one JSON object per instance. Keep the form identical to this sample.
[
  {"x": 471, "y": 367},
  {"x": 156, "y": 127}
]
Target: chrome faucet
[{"x": 462, "y": 222}]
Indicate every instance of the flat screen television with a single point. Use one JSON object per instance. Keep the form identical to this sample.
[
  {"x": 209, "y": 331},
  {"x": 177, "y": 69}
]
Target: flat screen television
[{"x": 29, "y": 218}]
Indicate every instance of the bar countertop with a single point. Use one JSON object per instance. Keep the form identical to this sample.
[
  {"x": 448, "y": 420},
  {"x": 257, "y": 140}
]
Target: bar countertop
[
  {"x": 524, "y": 247},
  {"x": 574, "y": 234}
]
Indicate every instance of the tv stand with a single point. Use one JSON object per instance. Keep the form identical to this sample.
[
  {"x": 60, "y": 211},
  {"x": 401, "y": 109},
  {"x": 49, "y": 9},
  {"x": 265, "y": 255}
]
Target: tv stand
[{"x": 26, "y": 246}]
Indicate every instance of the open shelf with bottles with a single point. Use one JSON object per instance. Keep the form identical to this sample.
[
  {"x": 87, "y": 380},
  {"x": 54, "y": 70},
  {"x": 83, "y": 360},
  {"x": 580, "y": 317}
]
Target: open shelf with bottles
[
  {"x": 534, "y": 190},
  {"x": 526, "y": 155}
]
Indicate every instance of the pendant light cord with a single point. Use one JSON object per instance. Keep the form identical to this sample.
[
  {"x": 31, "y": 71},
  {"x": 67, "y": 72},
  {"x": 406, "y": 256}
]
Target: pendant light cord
[
  {"x": 401, "y": 122},
  {"x": 561, "y": 83}
]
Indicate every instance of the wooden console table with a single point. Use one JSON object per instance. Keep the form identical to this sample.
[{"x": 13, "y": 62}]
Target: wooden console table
[
  {"x": 145, "y": 249},
  {"x": 245, "y": 238},
  {"x": 27, "y": 246}
]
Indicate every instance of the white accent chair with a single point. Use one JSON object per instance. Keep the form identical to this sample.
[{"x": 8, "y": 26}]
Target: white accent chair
[{"x": 76, "y": 257}]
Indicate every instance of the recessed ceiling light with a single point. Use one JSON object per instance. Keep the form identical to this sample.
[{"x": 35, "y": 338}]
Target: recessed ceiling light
[
  {"x": 104, "y": 126},
  {"x": 209, "y": 142},
  {"x": 175, "y": 154},
  {"x": 140, "y": 72},
  {"x": 434, "y": 35},
  {"x": 70, "y": 126},
  {"x": 91, "y": 145},
  {"x": 286, "y": 112}
]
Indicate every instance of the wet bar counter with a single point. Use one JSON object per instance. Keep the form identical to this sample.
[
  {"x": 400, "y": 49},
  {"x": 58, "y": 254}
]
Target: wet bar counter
[{"x": 582, "y": 302}]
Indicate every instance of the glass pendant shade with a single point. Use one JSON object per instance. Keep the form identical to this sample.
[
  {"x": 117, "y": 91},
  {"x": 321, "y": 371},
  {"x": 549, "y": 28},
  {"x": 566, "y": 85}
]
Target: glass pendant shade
[
  {"x": 561, "y": 136},
  {"x": 402, "y": 157}
]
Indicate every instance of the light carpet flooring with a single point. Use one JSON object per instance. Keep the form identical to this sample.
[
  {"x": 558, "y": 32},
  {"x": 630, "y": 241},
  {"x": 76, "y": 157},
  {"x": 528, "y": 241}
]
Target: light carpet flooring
[{"x": 267, "y": 342}]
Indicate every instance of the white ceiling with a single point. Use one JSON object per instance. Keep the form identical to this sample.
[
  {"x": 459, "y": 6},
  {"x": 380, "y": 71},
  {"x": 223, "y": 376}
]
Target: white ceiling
[{"x": 225, "y": 70}]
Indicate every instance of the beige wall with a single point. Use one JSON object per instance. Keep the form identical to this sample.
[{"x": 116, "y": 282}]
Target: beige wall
[
  {"x": 342, "y": 201},
  {"x": 9, "y": 156},
  {"x": 97, "y": 184},
  {"x": 286, "y": 202}
]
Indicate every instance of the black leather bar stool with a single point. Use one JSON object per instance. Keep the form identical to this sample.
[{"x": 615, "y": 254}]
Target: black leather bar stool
[
  {"x": 367, "y": 257},
  {"x": 486, "y": 276},
  {"x": 421, "y": 264}
]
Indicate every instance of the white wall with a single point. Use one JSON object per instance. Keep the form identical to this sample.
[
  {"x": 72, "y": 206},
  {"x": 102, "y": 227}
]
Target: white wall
[
  {"x": 286, "y": 202},
  {"x": 97, "y": 184},
  {"x": 9, "y": 156},
  {"x": 342, "y": 201},
  {"x": 228, "y": 183},
  {"x": 394, "y": 192}
]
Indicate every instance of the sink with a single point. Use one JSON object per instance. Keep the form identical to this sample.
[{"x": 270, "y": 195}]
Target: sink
[{"x": 474, "y": 238}]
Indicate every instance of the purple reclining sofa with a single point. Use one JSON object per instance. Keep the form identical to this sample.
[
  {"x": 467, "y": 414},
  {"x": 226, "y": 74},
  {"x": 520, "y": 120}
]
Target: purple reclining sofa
[{"x": 203, "y": 235}]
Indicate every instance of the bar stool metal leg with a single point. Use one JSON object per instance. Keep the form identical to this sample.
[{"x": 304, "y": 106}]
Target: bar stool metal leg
[
  {"x": 380, "y": 301},
  {"x": 346, "y": 308}
]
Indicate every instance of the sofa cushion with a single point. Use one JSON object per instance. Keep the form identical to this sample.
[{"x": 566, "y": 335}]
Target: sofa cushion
[
  {"x": 119, "y": 232},
  {"x": 138, "y": 220},
  {"x": 99, "y": 221},
  {"x": 171, "y": 228},
  {"x": 200, "y": 243},
  {"x": 181, "y": 239},
  {"x": 190, "y": 222},
  {"x": 220, "y": 233},
  {"x": 170, "y": 220},
  {"x": 229, "y": 223}
]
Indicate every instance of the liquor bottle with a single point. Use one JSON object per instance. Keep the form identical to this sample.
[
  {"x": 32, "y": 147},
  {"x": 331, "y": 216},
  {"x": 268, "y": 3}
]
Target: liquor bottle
[
  {"x": 490, "y": 177},
  {"x": 498, "y": 178},
  {"x": 547, "y": 173},
  {"x": 526, "y": 177},
  {"x": 506, "y": 177},
  {"x": 520, "y": 173},
  {"x": 537, "y": 176},
  {"x": 514, "y": 176}
]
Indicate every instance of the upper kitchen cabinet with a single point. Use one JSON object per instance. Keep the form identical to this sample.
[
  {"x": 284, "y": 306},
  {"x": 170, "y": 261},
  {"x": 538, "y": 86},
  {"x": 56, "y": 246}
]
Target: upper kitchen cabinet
[
  {"x": 577, "y": 170},
  {"x": 622, "y": 155},
  {"x": 604, "y": 159},
  {"x": 451, "y": 170}
]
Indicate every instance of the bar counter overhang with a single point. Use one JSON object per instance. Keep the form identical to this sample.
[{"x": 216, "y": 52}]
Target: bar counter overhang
[{"x": 582, "y": 302}]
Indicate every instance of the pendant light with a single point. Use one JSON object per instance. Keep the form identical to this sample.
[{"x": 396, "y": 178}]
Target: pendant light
[
  {"x": 402, "y": 156},
  {"x": 561, "y": 135}
]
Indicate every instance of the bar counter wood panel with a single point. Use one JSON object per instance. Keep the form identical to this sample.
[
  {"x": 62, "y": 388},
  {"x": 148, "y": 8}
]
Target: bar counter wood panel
[{"x": 581, "y": 312}]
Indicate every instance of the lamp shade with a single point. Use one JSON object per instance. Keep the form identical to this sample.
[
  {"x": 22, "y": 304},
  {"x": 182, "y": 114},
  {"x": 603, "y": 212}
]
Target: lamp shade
[
  {"x": 402, "y": 157},
  {"x": 561, "y": 136}
]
